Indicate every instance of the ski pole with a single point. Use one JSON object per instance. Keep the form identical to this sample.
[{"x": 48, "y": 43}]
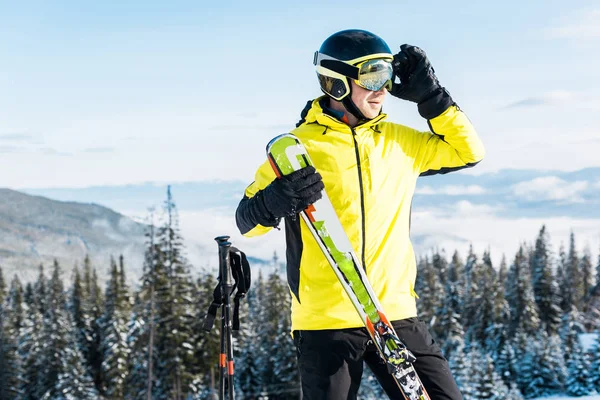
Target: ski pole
[{"x": 226, "y": 356}]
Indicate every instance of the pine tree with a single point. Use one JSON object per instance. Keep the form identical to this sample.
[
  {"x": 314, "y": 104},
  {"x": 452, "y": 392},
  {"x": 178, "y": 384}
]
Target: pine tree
[
  {"x": 519, "y": 295},
  {"x": 115, "y": 348},
  {"x": 595, "y": 364},
  {"x": 485, "y": 296},
  {"x": 142, "y": 382},
  {"x": 489, "y": 384},
  {"x": 450, "y": 330},
  {"x": 14, "y": 305},
  {"x": 562, "y": 278},
  {"x": 578, "y": 379},
  {"x": 11, "y": 372},
  {"x": 28, "y": 296},
  {"x": 592, "y": 316},
  {"x": 249, "y": 380},
  {"x": 30, "y": 348},
  {"x": 62, "y": 372},
  {"x": 585, "y": 270},
  {"x": 514, "y": 393},
  {"x": 208, "y": 346},
  {"x": 548, "y": 373},
  {"x": 74, "y": 381},
  {"x": 430, "y": 292},
  {"x": 462, "y": 370},
  {"x": 574, "y": 277},
  {"x": 598, "y": 271},
  {"x": 506, "y": 359},
  {"x": 526, "y": 366},
  {"x": 2, "y": 287},
  {"x": 92, "y": 309},
  {"x": 571, "y": 327},
  {"x": 282, "y": 351},
  {"x": 40, "y": 291},
  {"x": 545, "y": 288},
  {"x": 80, "y": 310},
  {"x": 174, "y": 310}
]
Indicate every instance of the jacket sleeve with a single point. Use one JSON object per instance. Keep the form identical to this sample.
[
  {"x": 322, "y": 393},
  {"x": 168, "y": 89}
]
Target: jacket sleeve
[
  {"x": 251, "y": 216},
  {"x": 451, "y": 145}
]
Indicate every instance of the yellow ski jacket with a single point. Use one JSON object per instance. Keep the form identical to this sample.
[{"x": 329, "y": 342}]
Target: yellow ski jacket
[{"x": 370, "y": 173}]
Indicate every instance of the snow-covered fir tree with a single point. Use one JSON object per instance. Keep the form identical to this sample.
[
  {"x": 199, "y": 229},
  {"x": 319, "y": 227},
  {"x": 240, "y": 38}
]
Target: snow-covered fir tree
[
  {"x": 174, "y": 311},
  {"x": 11, "y": 371},
  {"x": 208, "y": 346},
  {"x": 248, "y": 379},
  {"x": 545, "y": 287},
  {"x": 461, "y": 365},
  {"x": 484, "y": 295},
  {"x": 141, "y": 378},
  {"x": 450, "y": 329},
  {"x": 30, "y": 348},
  {"x": 594, "y": 377},
  {"x": 519, "y": 295},
  {"x": 547, "y": 372},
  {"x": 115, "y": 348},
  {"x": 2, "y": 286},
  {"x": 282, "y": 351},
  {"x": 430, "y": 291},
  {"x": 489, "y": 384},
  {"x": 61, "y": 358},
  {"x": 586, "y": 271},
  {"x": 93, "y": 304},
  {"x": 574, "y": 277},
  {"x": 578, "y": 367},
  {"x": 74, "y": 381}
]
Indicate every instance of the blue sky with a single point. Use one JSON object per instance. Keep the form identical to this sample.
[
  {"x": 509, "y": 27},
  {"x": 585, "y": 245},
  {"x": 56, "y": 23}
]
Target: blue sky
[{"x": 96, "y": 93}]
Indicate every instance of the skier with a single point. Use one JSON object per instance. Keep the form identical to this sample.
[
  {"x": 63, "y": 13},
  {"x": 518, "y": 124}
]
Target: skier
[{"x": 369, "y": 168}]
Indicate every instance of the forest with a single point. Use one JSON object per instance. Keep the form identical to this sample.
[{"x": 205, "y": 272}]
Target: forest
[{"x": 509, "y": 331}]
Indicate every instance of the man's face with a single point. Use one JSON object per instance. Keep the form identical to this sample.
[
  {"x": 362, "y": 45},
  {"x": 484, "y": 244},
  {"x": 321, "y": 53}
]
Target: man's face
[{"x": 367, "y": 101}]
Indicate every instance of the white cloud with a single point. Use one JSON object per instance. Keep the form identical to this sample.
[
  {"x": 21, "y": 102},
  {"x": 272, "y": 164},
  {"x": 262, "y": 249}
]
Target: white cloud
[
  {"x": 473, "y": 224},
  {"x": 583, "y": 25},
  {"x": 548, "y": 98},
  {"x": 550, "y": 188},
  {"x": 451, "y": 190}
]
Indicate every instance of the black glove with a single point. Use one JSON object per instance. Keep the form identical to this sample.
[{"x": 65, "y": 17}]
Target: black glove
[
  {"x": 292, "y": 193},
  {"x": 418, "y": 82}
]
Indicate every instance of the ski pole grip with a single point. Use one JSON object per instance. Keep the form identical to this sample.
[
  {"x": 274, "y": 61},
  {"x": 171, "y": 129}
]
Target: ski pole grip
[{"x": 224, "y": 268}]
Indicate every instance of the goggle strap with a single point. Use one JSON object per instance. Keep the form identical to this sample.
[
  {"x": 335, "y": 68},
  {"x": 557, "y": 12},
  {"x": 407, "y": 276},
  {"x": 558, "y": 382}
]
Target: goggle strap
[{"x": 341, "y": 68}]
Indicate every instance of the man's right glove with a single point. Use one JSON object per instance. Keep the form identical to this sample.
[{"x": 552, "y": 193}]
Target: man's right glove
[
  {"x": 292, "y": 193},
  {"x": 418, "y": 82}
]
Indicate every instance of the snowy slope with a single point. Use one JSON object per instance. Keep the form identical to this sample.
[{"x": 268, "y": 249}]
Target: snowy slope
[{"x": 34, "y": 230}]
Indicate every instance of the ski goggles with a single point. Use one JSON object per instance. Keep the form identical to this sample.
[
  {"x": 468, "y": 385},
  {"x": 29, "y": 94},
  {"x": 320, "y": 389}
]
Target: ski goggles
[{"x": 373, "y": 74}]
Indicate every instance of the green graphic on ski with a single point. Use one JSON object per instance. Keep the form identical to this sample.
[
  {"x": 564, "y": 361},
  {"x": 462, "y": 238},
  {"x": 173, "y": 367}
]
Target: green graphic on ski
[{"x": 286, "y": 155}]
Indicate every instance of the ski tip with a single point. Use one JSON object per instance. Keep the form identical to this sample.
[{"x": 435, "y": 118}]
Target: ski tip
[{"x": 278, "y": 137}]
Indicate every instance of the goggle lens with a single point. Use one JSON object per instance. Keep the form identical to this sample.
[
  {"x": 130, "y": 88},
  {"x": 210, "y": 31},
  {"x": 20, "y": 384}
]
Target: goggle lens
[{"x": 375, "y": 74}]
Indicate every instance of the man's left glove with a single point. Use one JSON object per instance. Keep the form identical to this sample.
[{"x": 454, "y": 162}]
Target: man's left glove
[{"x": 418, "y": 82}]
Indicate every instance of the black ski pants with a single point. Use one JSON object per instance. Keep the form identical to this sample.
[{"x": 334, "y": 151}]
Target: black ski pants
[{"x": 331, "y": 362}]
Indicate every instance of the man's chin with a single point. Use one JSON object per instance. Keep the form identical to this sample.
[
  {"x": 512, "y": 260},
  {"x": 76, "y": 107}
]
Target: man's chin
[{"x": 371, "y": 113}]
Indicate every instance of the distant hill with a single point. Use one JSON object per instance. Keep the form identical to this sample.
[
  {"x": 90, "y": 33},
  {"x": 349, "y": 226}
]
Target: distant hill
[
  {"x": 35, "y": 230},
  {"x": 494, "y": 211},
  {"x": 510, "y": 192}
]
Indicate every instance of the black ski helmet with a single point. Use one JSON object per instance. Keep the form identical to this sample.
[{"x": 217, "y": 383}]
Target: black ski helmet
[{"x": 338, "y": 56}]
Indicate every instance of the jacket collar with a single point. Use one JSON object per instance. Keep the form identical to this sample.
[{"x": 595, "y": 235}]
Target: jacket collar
[{"x": 318, "y": 113}]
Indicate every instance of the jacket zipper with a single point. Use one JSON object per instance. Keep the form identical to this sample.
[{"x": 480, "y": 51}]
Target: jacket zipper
[{"x": 362, "y": 199}]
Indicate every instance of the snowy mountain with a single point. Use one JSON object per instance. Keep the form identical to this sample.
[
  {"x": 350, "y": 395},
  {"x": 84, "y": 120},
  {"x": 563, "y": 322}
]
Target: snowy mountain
[
  {"x": 453, "y": 211},
  {"x": 509, "y": 193},
  {"x": 34, "y": 230}
]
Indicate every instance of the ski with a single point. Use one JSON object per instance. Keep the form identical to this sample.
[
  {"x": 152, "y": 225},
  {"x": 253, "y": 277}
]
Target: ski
[{"x": 286, "y": 154}]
